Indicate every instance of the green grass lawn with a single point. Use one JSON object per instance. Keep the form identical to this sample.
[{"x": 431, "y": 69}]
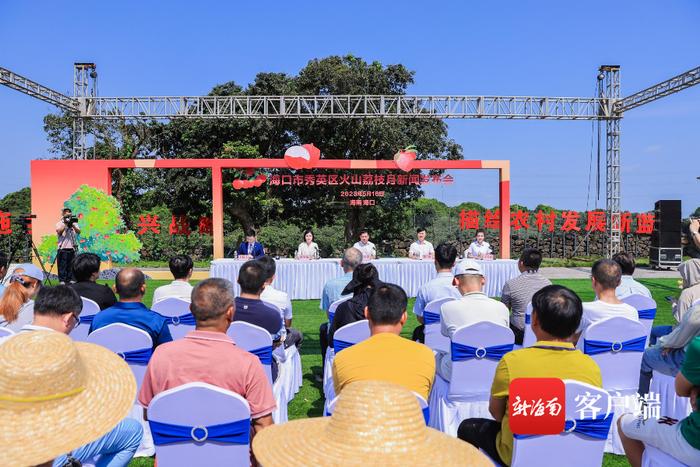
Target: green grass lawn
[{"x": 308, "y": 317}]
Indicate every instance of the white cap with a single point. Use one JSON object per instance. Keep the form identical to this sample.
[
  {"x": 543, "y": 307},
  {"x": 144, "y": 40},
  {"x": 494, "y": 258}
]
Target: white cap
[{"x": 468, "y": 266}]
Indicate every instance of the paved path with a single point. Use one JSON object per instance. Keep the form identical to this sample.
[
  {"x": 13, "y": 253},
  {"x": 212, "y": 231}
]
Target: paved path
[{"x": 585, "y": 273}]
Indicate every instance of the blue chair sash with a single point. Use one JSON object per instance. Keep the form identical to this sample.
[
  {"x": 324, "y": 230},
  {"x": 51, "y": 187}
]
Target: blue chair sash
[
  {"x": 528, "y": 318},
  {"x": 461, "y": 352},
  {"x": 597, "y": 428},
  {"x": 140, "y": 356},
  {"x": 86, "y": 319},
  {"x": 237, "y": 432},
  {"x": 187, "y": 318},
  {"x": 330, "y": 318},
  {"x": 426, "y": 414},
  {"x": 430, "y": 318},
  {"x": 593, "y": 347},
  {"x": 264, "y": 354},
  {"x": 647, "y": 314},
  {"x": 339, "y": 345}
]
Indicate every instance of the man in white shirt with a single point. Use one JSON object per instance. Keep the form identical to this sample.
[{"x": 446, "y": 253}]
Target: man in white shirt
[
  {"x": 605, "y": 277},
  {"x": 478, "y": 248},
  {"x": 421, "y": 248},
  {"x": 628, "y": 286},
  {"x": 181, "y": 267},
  {"x": 473, "y": 307},
  {"x": 280, "y": 300},
  {"x": 367, "y": 248}
]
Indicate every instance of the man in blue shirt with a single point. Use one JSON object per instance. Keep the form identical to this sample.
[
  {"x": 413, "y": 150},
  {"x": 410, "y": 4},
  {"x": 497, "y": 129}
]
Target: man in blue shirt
[
  {"x": 333, "y": 289},
  {"x": 249, "y": 307},
  {"x": 441, "y": 286},
  {"x": 131, "y": 287},
  {"x": 251, "y": 247}
]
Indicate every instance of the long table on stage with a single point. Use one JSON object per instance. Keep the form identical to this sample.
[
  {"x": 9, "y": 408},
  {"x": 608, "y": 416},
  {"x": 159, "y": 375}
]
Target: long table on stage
[{"x": 304, "y": 280}]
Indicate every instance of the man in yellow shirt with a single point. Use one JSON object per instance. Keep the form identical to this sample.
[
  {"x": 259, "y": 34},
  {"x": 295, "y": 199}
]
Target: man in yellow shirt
[
  {"x": 556, "y": 314},
  {"x": 386, "y": 356}
]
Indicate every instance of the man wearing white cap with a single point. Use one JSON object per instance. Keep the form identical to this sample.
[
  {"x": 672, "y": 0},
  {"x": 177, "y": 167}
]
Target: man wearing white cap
[{"x": 473, "y": 307}]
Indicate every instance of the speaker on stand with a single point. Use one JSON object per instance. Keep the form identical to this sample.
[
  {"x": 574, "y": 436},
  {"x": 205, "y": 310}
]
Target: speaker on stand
[{"x": 666, "y": 250}]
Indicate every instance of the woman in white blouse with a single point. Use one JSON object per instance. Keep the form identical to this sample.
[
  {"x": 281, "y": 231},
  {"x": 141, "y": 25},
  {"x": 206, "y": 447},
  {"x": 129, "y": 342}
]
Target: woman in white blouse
[
  {"x": 478, "y": 248},
  {"x": 308, "y": 248}
]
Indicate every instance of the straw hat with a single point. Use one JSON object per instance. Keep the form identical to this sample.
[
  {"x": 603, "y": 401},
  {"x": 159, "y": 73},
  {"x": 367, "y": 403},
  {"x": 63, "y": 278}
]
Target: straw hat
[
  {"x": 373, "y": 423},
  {"x": 57, "y": 395}
]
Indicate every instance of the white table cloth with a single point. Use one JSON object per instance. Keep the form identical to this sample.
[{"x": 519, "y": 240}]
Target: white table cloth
[{"x": 304, "y": 280}]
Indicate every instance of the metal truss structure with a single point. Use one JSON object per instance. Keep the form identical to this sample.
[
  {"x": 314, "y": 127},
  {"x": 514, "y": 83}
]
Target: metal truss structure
[{"x": 608, "y": 106}]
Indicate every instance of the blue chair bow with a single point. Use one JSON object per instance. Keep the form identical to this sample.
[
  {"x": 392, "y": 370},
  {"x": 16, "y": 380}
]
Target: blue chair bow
[
  {"x": 264, "y": 354},
  {"x": 140, "y": 356},
  {"x": 426, "y": 414},
  {"x": 647, "y": 314},
  {"x": 187, "y": 318},
  {"x": 528, "y": 318},
  {"x": 339, "y": 345},
  {"x": 461, "y": 352},
  {"x": 430, "y": 317},
  {"x": 597, "y": 428},
  {"x": 593, "y": 347},
  {"x": 86, "y": 319},
  {"x": 237, "y": 432}
]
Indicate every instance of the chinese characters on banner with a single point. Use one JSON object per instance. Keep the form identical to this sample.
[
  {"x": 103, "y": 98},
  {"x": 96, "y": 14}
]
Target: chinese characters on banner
[
  {"x": 571, "y": 221},
  {"x": 359, "y": 179},
  {"x": 179, "y": 225}
]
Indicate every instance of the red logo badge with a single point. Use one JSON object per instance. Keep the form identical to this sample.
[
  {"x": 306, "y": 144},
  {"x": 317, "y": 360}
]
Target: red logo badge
[{"x": 536, "y": 406}]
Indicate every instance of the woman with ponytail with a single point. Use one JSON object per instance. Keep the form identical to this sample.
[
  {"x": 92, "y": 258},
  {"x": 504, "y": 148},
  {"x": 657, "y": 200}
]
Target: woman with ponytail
[
  {"x": 16, "y": 304},
  {"x": 365, "y": 280}
]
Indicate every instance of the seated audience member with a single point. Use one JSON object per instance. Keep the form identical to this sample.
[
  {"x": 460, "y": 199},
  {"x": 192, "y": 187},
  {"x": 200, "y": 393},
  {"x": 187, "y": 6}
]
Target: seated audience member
[
  {"x": 332, "y": 291},
  {"x": 251, "y": 248},
  {"x": 279, "y": 299},
  {"x": 181, "y": 267},
  {"x": 209, "y": 355},
  {"x": 441, "y": 286},
  {"x": 58, "y": 309},
  {"x": 367, "y": 248},
  {"x": 690, "y": 274},
  {"x": 556, "y": 313},
  {"x": 86, "y": 270},
  {"x": 365, "y": 280},
  {"x": 374, "y": 423},
  {"x": 251, "y": 309},
  {"x": 3, "y": 270},
  {"x": 680, "y": 440},
  {"x": 421, "y": 248},
  {"x": 131, "y": 287},
  {"x": 518, "y": 291},
  {"x": 474, "y": 307},
  {"x": 605, "y": 277},
  {"x": 16, "y": 304},
  {"x": 386, "y": 356},
  {"x": 628, "y": 286}
]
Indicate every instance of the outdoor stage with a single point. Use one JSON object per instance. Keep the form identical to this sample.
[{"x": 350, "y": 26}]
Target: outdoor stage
[{"x": 304, "y": 280}]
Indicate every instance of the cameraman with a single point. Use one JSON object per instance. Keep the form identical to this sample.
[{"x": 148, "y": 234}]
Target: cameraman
[{"x": 66, "y": 229}]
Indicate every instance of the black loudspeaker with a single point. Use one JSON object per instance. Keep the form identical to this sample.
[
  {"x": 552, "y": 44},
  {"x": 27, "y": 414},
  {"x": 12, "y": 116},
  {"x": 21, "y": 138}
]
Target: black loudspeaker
[
  {"x": 666, "y": 248},
  {"x": 667, "y": 216},
  {"x": 665, "y": 239}
]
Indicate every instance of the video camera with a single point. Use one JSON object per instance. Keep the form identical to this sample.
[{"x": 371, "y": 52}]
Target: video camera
[{"x": 69, "y": 219}]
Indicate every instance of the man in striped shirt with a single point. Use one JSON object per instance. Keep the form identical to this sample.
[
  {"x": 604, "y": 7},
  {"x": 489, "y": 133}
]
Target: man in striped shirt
[{"x": 518, "y": 291}]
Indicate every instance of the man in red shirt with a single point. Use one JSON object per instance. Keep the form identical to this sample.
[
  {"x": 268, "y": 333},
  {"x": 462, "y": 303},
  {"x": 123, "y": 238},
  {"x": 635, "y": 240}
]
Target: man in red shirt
[{"x": 208, "y": 355}]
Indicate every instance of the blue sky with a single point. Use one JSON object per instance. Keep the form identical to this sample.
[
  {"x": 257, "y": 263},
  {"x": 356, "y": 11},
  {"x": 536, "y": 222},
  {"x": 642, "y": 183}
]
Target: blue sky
[{"x": 498, "y": 48}]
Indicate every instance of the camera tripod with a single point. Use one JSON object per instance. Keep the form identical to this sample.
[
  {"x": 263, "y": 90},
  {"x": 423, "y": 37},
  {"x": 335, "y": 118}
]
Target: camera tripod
[{"x": 24, "y": 222}]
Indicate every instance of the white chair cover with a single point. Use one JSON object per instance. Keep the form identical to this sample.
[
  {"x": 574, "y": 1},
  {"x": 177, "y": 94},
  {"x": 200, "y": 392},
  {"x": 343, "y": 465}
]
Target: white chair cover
[
  {"x": 121, "y": 338},
  {"x": 646, "y": 307},
  {"x": 467, "y": 394},
  {"x": 174, "y": 308},
  {"x": 529, "y": 338},
  {"x": 570, "y": 449},
  {"x": 200, "y": 405},
  {"x": 328, "y": 361},
  {"x": 654, "y": 457},
  {"x": 350, "y": 333},
  {"x": 620, "y": 369},
  {"x": 293, "y": 378},
  {"x": 334, "y": 306},
  {"x": 6, "y": 332},
  {"x": 433, "y": 337},
  {"x": 90, "y": 309},
  {"x": 672, "y": 405}
]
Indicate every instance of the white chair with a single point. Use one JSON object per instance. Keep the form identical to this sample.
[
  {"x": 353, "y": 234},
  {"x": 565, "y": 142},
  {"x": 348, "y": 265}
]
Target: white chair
[
  {"x": 334, "y": 306},
  {"x": 258, "y": 341},
  {"x": 90, "y": 309},
  {"x": 617, "y": 346},
  {"x": 431, "y": 320},
  {"x": 330, "y": 407},
  {"x": 6, "y": 332},
  {"x": 136, "y": 347},
  {"x": 577, "y": 446},
  {"x": 646, "y": 309},
  {"x": 529, "y": 338},
  {"x": 344, "y": 337},
  {"x": 671, "y": 404},
  {"x": 200, "y": 424},
  {"x": 654, "y": 457},
  {"x": 176, "y": 312},
  {"x": 475, "y": 353}
]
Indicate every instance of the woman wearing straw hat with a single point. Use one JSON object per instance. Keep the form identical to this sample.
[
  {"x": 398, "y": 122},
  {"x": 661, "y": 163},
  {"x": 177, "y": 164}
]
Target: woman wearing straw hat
[
  {"x": 374, "y": 423},
  {"x": 57, "y": 395},
  {"x": 16, "y": 304}
]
